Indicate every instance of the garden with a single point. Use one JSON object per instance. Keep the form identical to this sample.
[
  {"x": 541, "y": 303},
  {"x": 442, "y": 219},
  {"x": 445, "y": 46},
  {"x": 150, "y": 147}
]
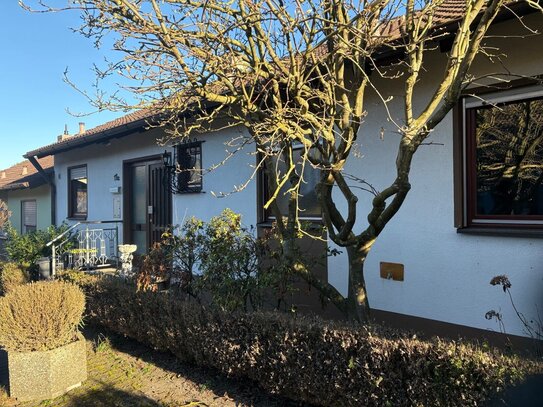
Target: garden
[{"x": 205, "y": 320}]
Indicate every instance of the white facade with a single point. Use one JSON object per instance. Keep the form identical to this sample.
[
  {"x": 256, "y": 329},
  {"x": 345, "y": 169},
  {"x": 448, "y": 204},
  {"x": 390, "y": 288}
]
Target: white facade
[
  {"x": 105, "y": 172},
  {"x": 447, "y": 274}
]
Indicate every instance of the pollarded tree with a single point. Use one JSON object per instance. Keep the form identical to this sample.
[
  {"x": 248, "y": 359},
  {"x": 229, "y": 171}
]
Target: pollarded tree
[{"x": 295, "y": 74}]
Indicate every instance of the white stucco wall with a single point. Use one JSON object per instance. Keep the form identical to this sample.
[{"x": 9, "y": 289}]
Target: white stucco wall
[
  {"x": 446, "y": 274},
  {"x": 105, "y": 161},
  {"x": 219, "y": 184}
]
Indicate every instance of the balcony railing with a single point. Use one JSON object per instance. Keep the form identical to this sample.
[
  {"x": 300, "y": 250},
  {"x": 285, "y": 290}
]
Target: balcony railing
[{"x": 86, "y": 245}]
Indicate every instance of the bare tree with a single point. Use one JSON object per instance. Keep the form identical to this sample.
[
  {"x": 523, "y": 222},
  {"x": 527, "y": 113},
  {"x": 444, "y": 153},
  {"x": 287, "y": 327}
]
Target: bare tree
[{"x": 293, "y": 73}]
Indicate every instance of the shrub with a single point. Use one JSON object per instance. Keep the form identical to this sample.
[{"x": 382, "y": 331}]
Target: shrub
[
  {"x": 80, "y": 278},
  {"x": 153, "y": 268},
  {"x": 40, "y": 316},
  {"x": 306, "y": 359},
  {"x": 11, "y": 276},
  {"x": 229, "y": 263},
  {"x": 220, "y": 258},
  {"x": 27, "y": 248}
]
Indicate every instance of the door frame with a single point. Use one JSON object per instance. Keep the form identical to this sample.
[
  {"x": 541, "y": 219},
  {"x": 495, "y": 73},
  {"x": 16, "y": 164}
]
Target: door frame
[{"x": 127, "y": 193}]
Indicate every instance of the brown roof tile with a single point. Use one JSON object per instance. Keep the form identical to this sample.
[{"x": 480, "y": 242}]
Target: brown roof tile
[{"x": 24, "y": 175}]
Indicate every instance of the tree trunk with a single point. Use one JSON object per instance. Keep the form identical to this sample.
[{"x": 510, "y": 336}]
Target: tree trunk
[{"x": 358, "y": 306}]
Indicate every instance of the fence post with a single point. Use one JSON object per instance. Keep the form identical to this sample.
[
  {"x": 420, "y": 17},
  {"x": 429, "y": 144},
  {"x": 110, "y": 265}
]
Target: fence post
[
  {"x": 117, "y": 245},
  {"x": 87, "y": 248},
  {"x": 54, "y": 260}
]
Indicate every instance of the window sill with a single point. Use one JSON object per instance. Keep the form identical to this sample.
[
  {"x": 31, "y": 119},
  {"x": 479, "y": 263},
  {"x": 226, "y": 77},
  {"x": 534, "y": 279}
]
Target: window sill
[
  {"x": 189, "y": 192},
  {"x": 77, "y": 218},
  {"x": 505, "y": 232}
]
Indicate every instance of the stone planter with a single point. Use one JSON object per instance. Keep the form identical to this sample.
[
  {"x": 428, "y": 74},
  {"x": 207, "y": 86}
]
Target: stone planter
[
  {"x": 44, "y": 265},
  {"x": 45, "y": 374}
]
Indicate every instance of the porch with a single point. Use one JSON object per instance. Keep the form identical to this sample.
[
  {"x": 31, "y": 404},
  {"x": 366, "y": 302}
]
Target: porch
[{"x": 87, "y": 245}]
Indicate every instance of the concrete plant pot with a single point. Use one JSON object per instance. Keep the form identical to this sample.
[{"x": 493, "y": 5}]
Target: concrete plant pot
[
  {"x": 44, "y": 265},
  {"x": 42, "y": 375}
]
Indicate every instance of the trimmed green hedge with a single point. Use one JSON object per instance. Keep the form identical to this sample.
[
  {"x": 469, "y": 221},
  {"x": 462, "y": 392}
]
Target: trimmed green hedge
[{"x": 322, "y": 363}]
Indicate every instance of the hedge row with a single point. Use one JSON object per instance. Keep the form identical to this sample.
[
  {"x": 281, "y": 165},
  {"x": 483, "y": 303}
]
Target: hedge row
[{"x": 308, "y": 360}]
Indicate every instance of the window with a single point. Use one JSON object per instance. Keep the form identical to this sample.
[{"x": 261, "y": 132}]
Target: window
[
  {"x": 189, "y": 160},
  {"x": 77, "y": 192},
  {"x": 29, "y": 215},
  {"x": 503, "y": 163},
  {"x": 308, "y": 200}
]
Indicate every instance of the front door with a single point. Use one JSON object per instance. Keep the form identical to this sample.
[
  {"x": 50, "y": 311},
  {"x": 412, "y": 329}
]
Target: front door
[{"x": 148, "y": 203}]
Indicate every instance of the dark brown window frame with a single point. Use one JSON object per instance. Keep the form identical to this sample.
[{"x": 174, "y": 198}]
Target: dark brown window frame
[
  {"x": 265, "y": 216},
  {"x": 465, "y": 219},
  {"x": 188, "y": 187},
  {"x": 72, "y": 214}
]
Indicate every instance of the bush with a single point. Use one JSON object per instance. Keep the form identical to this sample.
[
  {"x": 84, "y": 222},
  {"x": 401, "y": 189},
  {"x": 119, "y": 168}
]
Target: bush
[
  {"x": 40, "y": 316},
  {"x": 80, "y": 278},
  {"x": 306, "y": 359},
  {"x": 229, "y": 263},
  {"x": 26, "y": 249},
  {"x": 11, "y": 276},
  {"x": 221, "y": 259}
]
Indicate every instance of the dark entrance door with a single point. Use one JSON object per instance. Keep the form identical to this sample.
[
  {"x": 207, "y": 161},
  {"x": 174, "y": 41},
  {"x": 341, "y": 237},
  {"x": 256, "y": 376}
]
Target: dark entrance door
[
  {"x": 160, "y": 203},
  {"x": 148, "y": 202}
]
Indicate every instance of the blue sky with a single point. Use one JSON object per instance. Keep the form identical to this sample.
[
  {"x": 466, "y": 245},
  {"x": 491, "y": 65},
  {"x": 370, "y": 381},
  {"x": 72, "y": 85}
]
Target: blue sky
[{"x": 35, "y": 51}]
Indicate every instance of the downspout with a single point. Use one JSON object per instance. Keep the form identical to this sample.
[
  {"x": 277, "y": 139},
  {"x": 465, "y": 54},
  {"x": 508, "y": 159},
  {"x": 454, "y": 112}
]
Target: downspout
[{"x": 49, "y": 180}]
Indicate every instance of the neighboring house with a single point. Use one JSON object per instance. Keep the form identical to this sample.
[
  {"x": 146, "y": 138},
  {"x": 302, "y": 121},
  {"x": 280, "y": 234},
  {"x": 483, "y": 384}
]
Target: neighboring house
[
  {"x": 457, "y": 229},
  {"x": 28, "y": 194}
]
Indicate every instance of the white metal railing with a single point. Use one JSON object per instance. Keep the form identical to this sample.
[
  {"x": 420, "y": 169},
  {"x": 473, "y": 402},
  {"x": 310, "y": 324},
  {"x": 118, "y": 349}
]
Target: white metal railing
[{"x": 85, "y": 245}]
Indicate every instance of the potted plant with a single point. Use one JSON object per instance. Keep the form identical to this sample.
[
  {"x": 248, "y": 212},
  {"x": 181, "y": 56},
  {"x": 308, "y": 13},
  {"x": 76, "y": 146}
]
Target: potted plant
[{"x": 43, "y": 354}]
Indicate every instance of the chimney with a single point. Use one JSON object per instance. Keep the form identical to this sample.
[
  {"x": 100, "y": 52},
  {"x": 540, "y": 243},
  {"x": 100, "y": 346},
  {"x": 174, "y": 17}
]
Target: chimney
[
  {"x": 81, "y": 128},
  {"x": 25, "y": 170},
  {"x": 65, "y": 135},
  {"x": 3, "y": 175}
]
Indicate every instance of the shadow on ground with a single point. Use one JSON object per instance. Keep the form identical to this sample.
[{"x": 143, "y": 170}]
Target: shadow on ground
[
  {"x": 529, "y": 393},
  {"x": 107, "y": 396},
  {"x": 242, "y": 392}
]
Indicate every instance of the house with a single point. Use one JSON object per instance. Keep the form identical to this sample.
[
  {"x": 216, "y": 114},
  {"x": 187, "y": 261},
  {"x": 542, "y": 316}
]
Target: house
[
  {"x": 459, "y": 227},
  {"x": 28, "y": 194}
]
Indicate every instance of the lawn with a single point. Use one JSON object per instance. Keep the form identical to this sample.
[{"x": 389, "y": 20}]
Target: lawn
[{"x": 123, "y": 372}]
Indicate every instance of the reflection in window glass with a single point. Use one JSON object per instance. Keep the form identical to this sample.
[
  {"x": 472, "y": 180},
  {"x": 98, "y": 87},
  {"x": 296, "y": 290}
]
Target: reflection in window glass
[
  {"x": 189, "y": 160},
  {"x": 509, "y": 158},
  {"x": 78, "y": 192},
  {"x": 308, "y": 201}
]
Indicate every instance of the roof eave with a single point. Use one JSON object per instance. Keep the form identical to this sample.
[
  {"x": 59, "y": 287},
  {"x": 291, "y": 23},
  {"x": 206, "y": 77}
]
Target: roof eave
[
  {"x": 117, "y": 132},
  {"x": 16, "y": 186}
]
